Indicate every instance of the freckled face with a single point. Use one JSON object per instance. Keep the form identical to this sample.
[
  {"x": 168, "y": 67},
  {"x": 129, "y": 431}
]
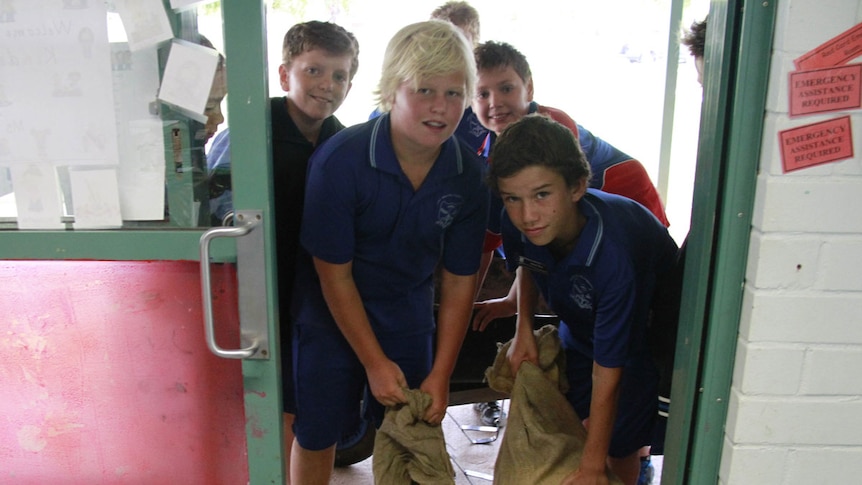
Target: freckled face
[
  {"x": 425, "y": 115},
  {"x": 542, "y": 206},
  {"x": 502, "y": 97},
  {"x": 316, "y": 83}
]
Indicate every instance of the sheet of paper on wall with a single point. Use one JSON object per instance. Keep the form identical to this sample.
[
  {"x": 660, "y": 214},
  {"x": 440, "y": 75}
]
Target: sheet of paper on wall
[
  {"x": 96, "y": 198},
  {"x": 188, "y": 78},
  {"x": 37, "y": 196},
  {"x": 816, "y": 144},
  {"x": 140, "y": 134},
  {"x": 142, "y": 172},
  {"x": 145, "y": 21},
  {"x": 58, "y": 58},
  {"x": 836, "y": 51},
  {"x": 136, "y": 80}
]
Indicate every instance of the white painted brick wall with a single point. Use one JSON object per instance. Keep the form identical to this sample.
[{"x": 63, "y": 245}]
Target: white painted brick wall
[
  {"x": 783, "y": 421},
  {"x": 832, "y": 371},
  {"x": 812, "y": 317},
  {"x": 759, "y": 464},
  {"x": 795, "y": 413},
  {"x": 770, "y": 369}
]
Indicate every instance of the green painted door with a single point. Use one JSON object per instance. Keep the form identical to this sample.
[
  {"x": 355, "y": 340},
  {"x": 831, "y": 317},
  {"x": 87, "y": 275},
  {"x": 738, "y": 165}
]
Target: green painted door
[{"x": 103, "y": 158}]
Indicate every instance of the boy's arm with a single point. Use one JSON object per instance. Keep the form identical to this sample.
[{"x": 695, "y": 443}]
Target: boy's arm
[
  {"x": 613, "y": 321},
  {"x": 603, "y": 410},
  {"x": 489, "y": 310},
  {"x": 453, "y": 317},
  {"x": 385, "y": 378},
  {"x": 524, "y": 344}
]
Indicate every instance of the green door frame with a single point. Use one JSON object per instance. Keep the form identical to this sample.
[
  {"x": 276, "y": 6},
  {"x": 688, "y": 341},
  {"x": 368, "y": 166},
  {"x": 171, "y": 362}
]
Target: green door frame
[
  {"x": 245, "y": 48},
  {"x": 738, "y": 49},
  {"x": 250, "y": 132}
]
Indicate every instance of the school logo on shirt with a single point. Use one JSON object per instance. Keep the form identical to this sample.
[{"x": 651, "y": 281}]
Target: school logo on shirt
[
  {"x": 582, "y": 292},
  {"x": 476, "y": 129},
  {"x": 447, "y": 209}
]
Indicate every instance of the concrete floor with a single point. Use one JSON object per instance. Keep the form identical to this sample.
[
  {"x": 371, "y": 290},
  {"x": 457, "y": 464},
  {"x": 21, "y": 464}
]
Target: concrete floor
[{"x": 471, "y": 461}]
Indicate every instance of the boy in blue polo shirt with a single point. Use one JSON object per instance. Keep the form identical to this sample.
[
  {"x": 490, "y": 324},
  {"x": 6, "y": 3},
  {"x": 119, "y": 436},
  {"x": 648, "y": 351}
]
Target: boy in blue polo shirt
[
  {"x": 386, "y": 202},
  {"x": 595, "y": 258}
]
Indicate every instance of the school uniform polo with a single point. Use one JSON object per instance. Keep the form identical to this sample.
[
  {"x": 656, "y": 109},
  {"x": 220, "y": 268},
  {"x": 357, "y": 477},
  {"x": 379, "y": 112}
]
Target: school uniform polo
[
  {"x": 602, "y": 292},
  {"x": 361, "y": 208}
]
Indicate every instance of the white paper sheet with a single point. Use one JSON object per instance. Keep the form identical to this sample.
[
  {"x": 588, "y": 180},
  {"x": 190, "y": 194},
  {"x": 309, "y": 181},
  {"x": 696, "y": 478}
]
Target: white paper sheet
[
  {"x": 55, "y": 86},
  {"x": 37, "y": 197},
  {"x": 146, "y": 22},
  {"x": 96, "y": 198},
  {"x": 188, "y": 77},
  {"x": 141, "y": 139},
  {"x": 142, "y": 172}
]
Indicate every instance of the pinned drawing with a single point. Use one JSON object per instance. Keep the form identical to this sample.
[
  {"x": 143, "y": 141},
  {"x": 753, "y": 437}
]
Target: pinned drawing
[
  {"x": 37, "y": 197},
  {"x": 188, "y": 77},
  {"x": 97, "y": 199},
  {"x": 145, "y": 21}
]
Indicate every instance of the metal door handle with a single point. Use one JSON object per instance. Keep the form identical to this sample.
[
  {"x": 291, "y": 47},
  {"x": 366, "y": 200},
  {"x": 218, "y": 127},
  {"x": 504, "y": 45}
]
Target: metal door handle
[{"x": 252, "y": 287}]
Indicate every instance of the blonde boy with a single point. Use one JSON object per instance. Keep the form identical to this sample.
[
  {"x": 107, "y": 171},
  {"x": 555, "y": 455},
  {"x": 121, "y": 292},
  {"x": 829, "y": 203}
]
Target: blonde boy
[{"x": 386, "y": 202}]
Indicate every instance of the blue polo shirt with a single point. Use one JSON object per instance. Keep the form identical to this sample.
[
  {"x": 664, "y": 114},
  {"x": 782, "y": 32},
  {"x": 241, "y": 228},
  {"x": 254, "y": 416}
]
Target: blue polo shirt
[
  {"x": 603, "y": 288},
  {"x": 361, "y": 208}
]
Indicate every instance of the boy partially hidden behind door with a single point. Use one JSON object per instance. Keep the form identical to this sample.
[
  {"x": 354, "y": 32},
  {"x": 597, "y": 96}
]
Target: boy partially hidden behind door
[{"x": 319, "y": 61}]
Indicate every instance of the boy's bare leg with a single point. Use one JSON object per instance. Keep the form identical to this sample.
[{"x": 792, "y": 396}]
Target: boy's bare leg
[
  {"x": 311, "y": 467},
  {"x": 287, "y": 419},
  {"x": 627, "y": 469}
]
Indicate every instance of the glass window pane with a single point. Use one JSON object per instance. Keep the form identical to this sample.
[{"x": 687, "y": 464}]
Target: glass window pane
[{"x": 106, "y": 108}]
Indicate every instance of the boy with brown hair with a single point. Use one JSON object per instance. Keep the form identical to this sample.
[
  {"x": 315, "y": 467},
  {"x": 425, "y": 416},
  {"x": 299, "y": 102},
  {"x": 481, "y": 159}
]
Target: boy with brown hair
[
  {"x": 596, "y": 259},
  {"x": 319, "y": 61},
  {"x": 504, "y": 94}
]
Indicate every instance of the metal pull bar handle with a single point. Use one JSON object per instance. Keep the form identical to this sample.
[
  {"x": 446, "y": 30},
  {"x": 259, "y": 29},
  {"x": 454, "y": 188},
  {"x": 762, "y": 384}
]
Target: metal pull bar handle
[{"x": 247, "y": 225}]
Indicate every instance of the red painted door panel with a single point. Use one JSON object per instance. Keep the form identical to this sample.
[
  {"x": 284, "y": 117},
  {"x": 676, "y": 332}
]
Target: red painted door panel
[{"x": 106, "y": 377}]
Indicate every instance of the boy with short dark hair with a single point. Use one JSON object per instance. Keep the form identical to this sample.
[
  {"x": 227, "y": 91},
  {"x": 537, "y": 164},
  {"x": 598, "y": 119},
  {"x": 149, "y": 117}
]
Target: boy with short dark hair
[
  {"x": 595, "y": 258},
  {"x": 319, "y": 60},
  {"x": 504, "y": 94},
  {"x": 695, "y": 40},
  {"x": 387, "y": 202}
]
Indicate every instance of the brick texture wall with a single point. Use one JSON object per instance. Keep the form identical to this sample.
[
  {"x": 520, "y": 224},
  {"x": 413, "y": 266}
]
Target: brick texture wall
[{"x": 795, "y": 414}]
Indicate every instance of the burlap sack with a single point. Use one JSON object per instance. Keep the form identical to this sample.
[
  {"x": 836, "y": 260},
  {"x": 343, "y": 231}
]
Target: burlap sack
[
  {"x": 544, "y": 438},
  {"x": 407, "y": 449}
]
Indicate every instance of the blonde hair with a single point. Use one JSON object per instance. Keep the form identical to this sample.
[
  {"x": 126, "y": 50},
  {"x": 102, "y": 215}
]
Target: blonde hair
[{"x": 423, "y": 50}]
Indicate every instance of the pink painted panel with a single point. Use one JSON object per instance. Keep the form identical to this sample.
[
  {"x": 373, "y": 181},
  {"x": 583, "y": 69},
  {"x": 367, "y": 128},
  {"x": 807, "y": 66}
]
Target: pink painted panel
[{"x": 105, "y": 376}]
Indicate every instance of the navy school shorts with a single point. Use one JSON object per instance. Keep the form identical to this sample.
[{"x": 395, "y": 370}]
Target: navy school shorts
[
  {"x": 636, "y": 409},
  {"x": 330, "y": 381}
]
